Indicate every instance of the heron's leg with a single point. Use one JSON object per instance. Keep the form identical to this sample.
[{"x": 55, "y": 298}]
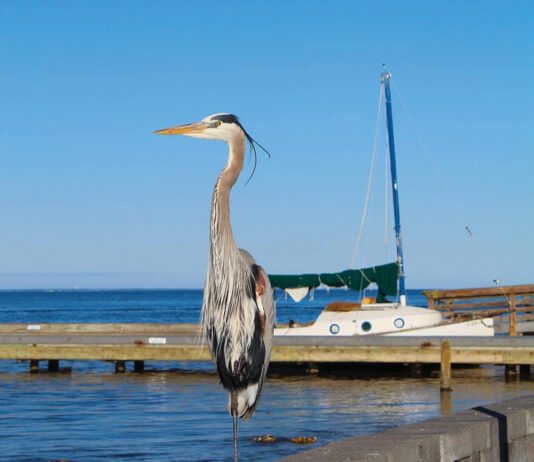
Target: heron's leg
[{"x": 234, "y": 417}]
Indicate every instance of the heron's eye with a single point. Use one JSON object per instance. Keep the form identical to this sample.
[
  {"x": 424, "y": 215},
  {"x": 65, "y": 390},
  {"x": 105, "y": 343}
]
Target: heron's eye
[{"x": 217, "y": 123}]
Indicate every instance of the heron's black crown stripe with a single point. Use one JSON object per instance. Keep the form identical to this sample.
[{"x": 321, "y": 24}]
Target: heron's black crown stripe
[
  {"x": 227, "y": 119},
  {"x": 232, "y": 119}
]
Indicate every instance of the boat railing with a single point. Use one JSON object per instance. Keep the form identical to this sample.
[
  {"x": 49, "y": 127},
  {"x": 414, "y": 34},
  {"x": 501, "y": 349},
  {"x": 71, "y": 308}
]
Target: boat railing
[{"x": 510, "y": 306}]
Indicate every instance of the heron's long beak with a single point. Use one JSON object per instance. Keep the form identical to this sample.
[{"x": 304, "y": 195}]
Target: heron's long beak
[{"x": 197, "y": 127}]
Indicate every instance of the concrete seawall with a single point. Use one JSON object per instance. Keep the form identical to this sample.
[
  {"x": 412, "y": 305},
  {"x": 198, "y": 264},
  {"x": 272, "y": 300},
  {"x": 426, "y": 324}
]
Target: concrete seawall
[{"x": 497, "y": 432}]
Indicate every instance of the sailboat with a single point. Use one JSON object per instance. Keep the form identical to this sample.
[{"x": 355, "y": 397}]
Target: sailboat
[{"x": 376, "y": 316}]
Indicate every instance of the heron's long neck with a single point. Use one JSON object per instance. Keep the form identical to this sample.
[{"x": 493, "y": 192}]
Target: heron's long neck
[{"x": 222, "y": 242}]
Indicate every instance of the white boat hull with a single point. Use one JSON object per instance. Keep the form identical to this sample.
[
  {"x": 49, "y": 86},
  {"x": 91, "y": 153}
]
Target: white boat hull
[{"x": 389, "y": 319}]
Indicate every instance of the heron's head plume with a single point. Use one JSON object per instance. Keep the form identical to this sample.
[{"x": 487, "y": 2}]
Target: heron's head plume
[{"x": 223, "y": 127}]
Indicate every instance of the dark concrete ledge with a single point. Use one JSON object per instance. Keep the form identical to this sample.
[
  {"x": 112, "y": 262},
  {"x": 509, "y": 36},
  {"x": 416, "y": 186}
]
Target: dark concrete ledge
[{"x": 497, "y": 432}]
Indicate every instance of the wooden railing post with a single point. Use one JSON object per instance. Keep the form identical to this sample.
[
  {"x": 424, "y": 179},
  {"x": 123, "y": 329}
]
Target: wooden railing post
[
  {"x": 513, "y": 326},
  {"x": 430, "y": 299}
]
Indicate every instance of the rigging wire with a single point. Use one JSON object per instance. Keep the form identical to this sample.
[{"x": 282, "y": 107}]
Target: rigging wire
[
  {"x": 459, "y": 213},
  {"x": 370, "y": 181},
  {"x": 386, "y": 210}
]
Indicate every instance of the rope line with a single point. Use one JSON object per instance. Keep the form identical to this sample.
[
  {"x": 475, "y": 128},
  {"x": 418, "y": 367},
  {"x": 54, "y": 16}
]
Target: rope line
[
  {"x": 370, "y": 181},
  {"x": 386, "y": 221}
]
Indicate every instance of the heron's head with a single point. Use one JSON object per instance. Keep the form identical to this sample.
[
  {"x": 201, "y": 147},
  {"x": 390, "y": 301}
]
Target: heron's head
[{"x": 223, "y": 127}]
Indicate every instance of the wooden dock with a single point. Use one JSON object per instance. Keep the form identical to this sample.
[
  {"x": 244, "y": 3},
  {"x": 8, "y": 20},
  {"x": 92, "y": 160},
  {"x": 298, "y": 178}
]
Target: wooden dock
[
  {"x": 510, "y": 306},
  {"x": 181, "y": 342}
]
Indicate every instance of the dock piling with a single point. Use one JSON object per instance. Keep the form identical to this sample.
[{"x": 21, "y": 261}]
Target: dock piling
[
  {"x": 120, "y": 366},
  {"x": 34, "y": 366},
  {"x": 445, "y": 371},
  {"x": 139, "y": 366},
  {"x": 524, "y": 371},
  {"x": 511, "y": 371},
  {"x": 53, "y": 365},
  {"x": 445, "y": 401}
]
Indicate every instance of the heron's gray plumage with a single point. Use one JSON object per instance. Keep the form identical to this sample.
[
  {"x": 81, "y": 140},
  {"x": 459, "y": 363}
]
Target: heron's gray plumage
[
  {"x": 238, "y": 305},
  {"x": 230, "y": 302}
]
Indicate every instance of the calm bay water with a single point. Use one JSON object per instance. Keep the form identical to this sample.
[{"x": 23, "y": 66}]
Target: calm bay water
[{"x": 177, "y": 411}]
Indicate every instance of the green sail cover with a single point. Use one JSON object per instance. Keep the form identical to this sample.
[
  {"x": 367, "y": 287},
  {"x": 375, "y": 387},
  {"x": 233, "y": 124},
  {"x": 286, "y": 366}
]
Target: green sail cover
[{"x": 384, "y": 276}]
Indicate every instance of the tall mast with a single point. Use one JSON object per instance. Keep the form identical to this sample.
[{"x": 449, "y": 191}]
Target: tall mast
[{"x": 394, "y": 185}]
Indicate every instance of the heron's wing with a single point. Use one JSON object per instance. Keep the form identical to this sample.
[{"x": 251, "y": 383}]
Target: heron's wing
[
  {"x": 266, "y": 309},
  {"x": 267, "y": 302}
]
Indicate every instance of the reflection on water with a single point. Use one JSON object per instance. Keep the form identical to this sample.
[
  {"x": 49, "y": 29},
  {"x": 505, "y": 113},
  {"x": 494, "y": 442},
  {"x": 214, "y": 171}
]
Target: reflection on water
[{"x": 93, "y": 414}]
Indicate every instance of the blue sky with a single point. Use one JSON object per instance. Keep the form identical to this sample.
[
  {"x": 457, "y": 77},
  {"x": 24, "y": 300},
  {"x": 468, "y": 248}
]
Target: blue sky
[{"x": 90, "y": 197}]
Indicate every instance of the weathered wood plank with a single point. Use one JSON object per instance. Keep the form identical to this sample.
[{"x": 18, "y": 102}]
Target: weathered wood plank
[
  {"x": 190, "y": 340},
  {"x": 193, "y": 340},
  {"x": 281, "y": 353},
  {"x": 284, "y": 353},
  {"x": 522, "y": 327},
  {"x": 105, "y": 352},
  {"x": 395, "y": 341},
  {"x": 99, "y": 328},
  {"x": 492, "y": 306},
  {"x": 480, "y": 292}
]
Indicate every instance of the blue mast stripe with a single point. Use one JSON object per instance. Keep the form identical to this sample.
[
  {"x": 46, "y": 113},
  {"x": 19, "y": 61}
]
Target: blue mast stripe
[{"x": 395, "y": 188}]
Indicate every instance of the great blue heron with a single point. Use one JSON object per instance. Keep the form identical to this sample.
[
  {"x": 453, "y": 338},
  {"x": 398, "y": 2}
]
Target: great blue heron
[{"x": 238, "y": 306}]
